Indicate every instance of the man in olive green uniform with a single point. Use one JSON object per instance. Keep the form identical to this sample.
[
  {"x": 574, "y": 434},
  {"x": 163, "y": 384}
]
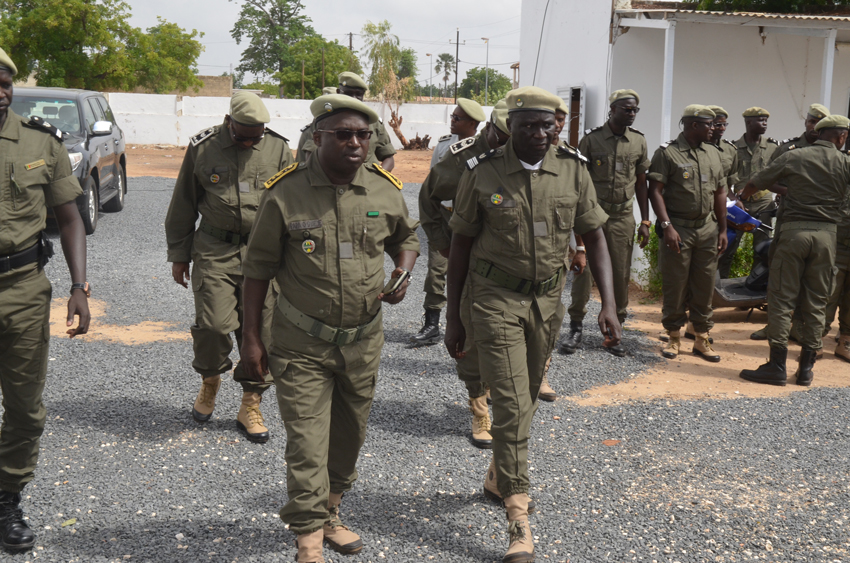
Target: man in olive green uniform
[
  {"x": 465, "y": 119},
  {"x": 686, "y": 183},
  {"x": 515, "y": 252},
  {"x": 435, "y": 205},
  {"x": 802, "y": 266},
  {"x": 618, "y": 163},
  {"x": 464, "y": 124},
  {"x": 221, "y": 180},
  {"x": 36, "y": 175},
  {"x": 839, "y": 301},
  {"x": 322, "y": 230},
  {"x": 754, "y": 152},
  {"x": 380, "y": 146},
  {"x": 728, "y": 149}
]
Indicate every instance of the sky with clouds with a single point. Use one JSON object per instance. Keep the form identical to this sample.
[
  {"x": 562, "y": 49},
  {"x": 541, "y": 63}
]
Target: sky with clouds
[{"x": 426, "y": 26}]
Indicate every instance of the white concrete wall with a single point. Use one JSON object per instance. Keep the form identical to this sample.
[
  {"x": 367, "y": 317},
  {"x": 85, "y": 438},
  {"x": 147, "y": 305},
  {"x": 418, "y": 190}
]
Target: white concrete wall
[{"x": 163, "y": 119}]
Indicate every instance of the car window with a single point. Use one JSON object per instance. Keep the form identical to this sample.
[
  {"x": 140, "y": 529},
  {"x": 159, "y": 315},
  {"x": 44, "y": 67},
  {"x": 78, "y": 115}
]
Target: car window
[
  {"x": 88, "y": 113},
  {"x": 98, "y": 111},
  {"x": 62, "y": 113},
  {"x": 107, "y": 111}
]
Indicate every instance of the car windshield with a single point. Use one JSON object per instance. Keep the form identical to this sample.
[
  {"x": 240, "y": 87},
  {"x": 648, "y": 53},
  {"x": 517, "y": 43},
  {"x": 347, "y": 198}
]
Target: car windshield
[{"x": 62, "y": 113}]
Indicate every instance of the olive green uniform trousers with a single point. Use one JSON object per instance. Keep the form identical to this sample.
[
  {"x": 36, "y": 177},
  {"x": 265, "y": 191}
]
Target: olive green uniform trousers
[
  {"x": 802, "y": 272},
  {"x": 760, "y": 209},
  {"x": 512, "y": 354},
  {"x": 840, "y": 299},
  {"x": 325, "y": 395},
  {"x": 620, "y": 235},
  {"x": 468, "y": 369},
  {"x": 218, "y": 312},
  {"x": 24, "y": 339},
  {"x": 435, "y": 281},
  {"x": 687, "y": 278}
]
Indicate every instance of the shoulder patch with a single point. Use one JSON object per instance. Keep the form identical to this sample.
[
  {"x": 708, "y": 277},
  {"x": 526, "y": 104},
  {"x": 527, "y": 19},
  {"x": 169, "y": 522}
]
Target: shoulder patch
[
  {"x": 274, "y": 133},
  {"x": 444, "y": 138},
  {"x": 791, "y": 148},
  {"x": 460, "y": 145},
  {"x": 730, "y": 143},
  {"x": 670, "y": 142},
  {"x": 772, "y": 140},
  {"x": 276, "y": 178},
  {"x": 636, "y": 131},
  {"x": 589, "y": 131},
  {"x": 305, "y": 127},
  {"x": 566, "y": 149},
  {"x": 39, "y": 123},
  {"x": 790, "y": 140},
  {"x": 202, "y": 136},
  {"x": 476, "y": 160},
  {"x": 395, "y": 181}
]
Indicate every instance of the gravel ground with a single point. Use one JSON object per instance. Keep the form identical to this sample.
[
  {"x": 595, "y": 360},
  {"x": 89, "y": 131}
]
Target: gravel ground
[{"x": 739, "y": 480}]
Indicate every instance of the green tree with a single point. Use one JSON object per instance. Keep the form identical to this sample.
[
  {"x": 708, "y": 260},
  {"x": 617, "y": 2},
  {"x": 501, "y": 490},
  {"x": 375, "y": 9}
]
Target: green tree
[
  {"x": 382, "y": 54},
  {"x": 473, "y": 85},
  {"x": 337, "y": 59},
  {"x": 776, "y": 6},
  {"x": 90, "y": 44},
  {"x": 445, "y": 64},
  {"x": 407, "y": 64},
  {"x": 271, "y": 28}
]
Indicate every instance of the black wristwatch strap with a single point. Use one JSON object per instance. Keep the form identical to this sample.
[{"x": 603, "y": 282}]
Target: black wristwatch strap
[{"x": 84, "y": 286}]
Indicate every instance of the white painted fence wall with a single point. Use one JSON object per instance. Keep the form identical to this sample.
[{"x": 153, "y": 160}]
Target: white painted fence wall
[{"x": 163, "y": 119}]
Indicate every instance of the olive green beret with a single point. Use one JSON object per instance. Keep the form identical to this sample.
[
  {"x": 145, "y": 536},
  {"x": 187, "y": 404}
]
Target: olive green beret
[
  {"x": 331, "y": 104},
  {"x": 698, "y": 110},
  {"x": 328, "y": 90},
  {"x": 499, "y": 117},
  {"x": 756, "y": 112},
  {"x": 563, "y": 107},
  {"x": 6, "y": 62},
  {"x": 833, "y": 121},
  {"x": 532, "y": 98},
  {"x": 818, "y": 110},
  {"x": 246, "y": 108},
  {"x": 618, "y": 95},
  {"x": 351, "y": 80},
  {"x": 718, "y": 111},
  {"x": 472, "y": 109}
]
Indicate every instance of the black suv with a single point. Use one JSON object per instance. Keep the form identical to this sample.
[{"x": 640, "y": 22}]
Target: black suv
[{"x": 94, "y": 141}]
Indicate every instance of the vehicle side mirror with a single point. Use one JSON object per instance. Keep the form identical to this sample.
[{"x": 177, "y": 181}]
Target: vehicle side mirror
[{"x": 101, "y": 128}]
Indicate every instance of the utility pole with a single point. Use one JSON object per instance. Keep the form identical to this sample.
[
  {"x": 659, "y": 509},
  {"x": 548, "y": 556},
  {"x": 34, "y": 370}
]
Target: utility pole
[
  {"x": 323, "y": 68},
  {"x": 350, "y": 41},
  {"x": 302, "y": 80},
  {"x": 487, "y": 73},
  {"x": 430, "y": 76},
  {"x": 457, "y": 55}
]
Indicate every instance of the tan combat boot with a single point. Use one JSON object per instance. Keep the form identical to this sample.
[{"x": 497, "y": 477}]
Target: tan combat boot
[
  {"x": 703, "y": 349},
  {"x": 481, "y": 437},
  {"x": 249, "y": 421},
  {"x": 521, "y": 549},
  {"x": 491, "y": 489},
  {"x": 205, "y": 401},
  {"x": 546, "y": 392},
  {"x": 674, "y": 343},
  {"x": 309, "y": 547},
  {"x": 339, "y": 538},
  {"x": 843, "y": 349}
]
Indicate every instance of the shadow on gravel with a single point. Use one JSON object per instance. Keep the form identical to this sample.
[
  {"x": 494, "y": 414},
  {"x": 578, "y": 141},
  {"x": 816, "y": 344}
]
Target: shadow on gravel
[{"x": 403, "y": 417}]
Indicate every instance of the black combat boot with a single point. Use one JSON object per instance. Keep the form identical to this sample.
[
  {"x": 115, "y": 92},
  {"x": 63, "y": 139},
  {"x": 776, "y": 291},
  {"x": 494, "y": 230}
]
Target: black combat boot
[
  {"x": 773, "y": 372},
  {"x": 430, "y": 332},
  {"x": 16, "y": 535},
  {"x": 573, "y": 341},
  {"x": 804, "y": 368}
]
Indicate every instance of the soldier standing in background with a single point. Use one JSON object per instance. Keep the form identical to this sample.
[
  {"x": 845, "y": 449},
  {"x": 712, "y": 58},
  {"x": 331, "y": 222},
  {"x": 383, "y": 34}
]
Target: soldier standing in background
[
  {"x": 464, "y": 123},
  {"x": 222, "y": 174}
]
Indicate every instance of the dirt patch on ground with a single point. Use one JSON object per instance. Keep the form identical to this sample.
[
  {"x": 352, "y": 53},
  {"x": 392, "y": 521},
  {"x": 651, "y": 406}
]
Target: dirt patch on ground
[
  {"x": 689, "y": 377},
  {"x": 131, "y": 335},
  {"x": 165, "y": 161}
]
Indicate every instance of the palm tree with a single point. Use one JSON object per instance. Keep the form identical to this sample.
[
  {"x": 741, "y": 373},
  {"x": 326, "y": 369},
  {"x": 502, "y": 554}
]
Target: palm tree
[{"x": 447, "y": 65}]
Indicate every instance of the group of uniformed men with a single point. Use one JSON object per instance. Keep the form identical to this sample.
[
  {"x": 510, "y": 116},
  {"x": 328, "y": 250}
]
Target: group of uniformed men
[{"x": 288, "y": 255}]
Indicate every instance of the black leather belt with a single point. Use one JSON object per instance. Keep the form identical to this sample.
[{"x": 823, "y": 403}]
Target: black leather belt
[{"x": 19, "y": 259}]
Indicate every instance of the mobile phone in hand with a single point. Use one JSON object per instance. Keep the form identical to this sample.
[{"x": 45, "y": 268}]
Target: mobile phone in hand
[{"x": 395, "y": 283}]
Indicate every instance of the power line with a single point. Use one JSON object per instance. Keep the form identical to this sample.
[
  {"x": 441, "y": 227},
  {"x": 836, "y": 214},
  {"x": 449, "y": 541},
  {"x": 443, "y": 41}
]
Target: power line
[{"x": 491, "y": 23}]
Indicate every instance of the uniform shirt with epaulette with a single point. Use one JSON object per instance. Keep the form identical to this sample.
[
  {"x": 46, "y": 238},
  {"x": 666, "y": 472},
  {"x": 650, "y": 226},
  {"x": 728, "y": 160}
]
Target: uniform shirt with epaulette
[
  {"x": 522, "y": 220},
  {"x": 442, "y": 147},
  {"x": 818, "y": 180},
  {"x": 691, "y": 176},
  {"x": 325, "y": 243},
  {"x": 36, "y": 175},
  {"x": 222, "y": 183},
  {"x": 436, "y": 197},
  {"x": 752, "y": 160},
  {"x": 614, "y": 162},
  {"x": 380, "y": 145},
  {"x": 729, "y": 157}
]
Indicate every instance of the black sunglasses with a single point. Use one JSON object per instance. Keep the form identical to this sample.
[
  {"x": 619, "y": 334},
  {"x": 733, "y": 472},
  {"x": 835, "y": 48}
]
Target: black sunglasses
[
  {"x": 347, "y": 134},
  {"x": 454, "y": 117},
  {"x": 630, "y": 110}
]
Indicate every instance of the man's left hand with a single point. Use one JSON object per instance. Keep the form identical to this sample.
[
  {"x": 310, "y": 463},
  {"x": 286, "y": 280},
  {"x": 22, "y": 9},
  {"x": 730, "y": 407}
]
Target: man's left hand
[
  {"x": 610, "y": 327},
  {"x": 78, "y": 304}
]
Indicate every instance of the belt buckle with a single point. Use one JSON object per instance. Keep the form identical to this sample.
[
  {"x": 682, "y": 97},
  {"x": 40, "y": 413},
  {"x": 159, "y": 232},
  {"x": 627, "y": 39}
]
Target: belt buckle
[{"x": 342, "y": 336}]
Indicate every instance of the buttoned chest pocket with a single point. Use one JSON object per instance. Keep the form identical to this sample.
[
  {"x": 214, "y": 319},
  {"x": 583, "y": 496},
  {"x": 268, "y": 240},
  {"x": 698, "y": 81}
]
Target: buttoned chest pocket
[
  {"x": 373, "y": 231},
  {"x": 308, "y": 250},
  {"x": 599, "y": 166},
  {"x": 218, "y": 182},
  {"x": 501, "y": 213},
  {"x": 688, "y": 175},
  {"x": 26, "y": 183},
  {"x": 564, "y": 217}
]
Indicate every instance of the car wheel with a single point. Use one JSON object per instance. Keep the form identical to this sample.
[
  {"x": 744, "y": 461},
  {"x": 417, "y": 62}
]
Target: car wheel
[
  {"x": 117, "y": 203},
  {"x": 88, "y": 206}
]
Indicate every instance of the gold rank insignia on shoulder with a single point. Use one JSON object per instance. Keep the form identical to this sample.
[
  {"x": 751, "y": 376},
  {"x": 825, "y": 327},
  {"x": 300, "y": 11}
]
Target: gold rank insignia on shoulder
[
  {"x": 274, "y": 179},
  {"x": 395, "y": 181}
]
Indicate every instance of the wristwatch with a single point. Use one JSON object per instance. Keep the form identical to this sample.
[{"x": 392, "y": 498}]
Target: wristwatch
[
  {"x": 580, "y": 249},
  {"x": 647, "y": 223},
  {"x": 84, "y": 286},
  {"x": 665, "y": 224}
]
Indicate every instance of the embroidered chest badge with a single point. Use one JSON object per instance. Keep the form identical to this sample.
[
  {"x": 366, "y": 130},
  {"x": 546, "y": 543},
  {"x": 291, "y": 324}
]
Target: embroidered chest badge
[
  {"x": 685, "y": 175},
  {"x": 496, "y": 199},
  {"x": 308, "y": 246},
  {"x": 215, "y": 178}
]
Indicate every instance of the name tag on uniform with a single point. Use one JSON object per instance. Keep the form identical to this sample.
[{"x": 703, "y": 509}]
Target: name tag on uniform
[
  {"x": 346, "y": 250},
  {"x": 35, "y": 164},
  {"x": 619, "y": 166},
  {"x": 540, "y": 229},
  {"x": 301, "y": 225},
  {"x": 244, "y": 187}
]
